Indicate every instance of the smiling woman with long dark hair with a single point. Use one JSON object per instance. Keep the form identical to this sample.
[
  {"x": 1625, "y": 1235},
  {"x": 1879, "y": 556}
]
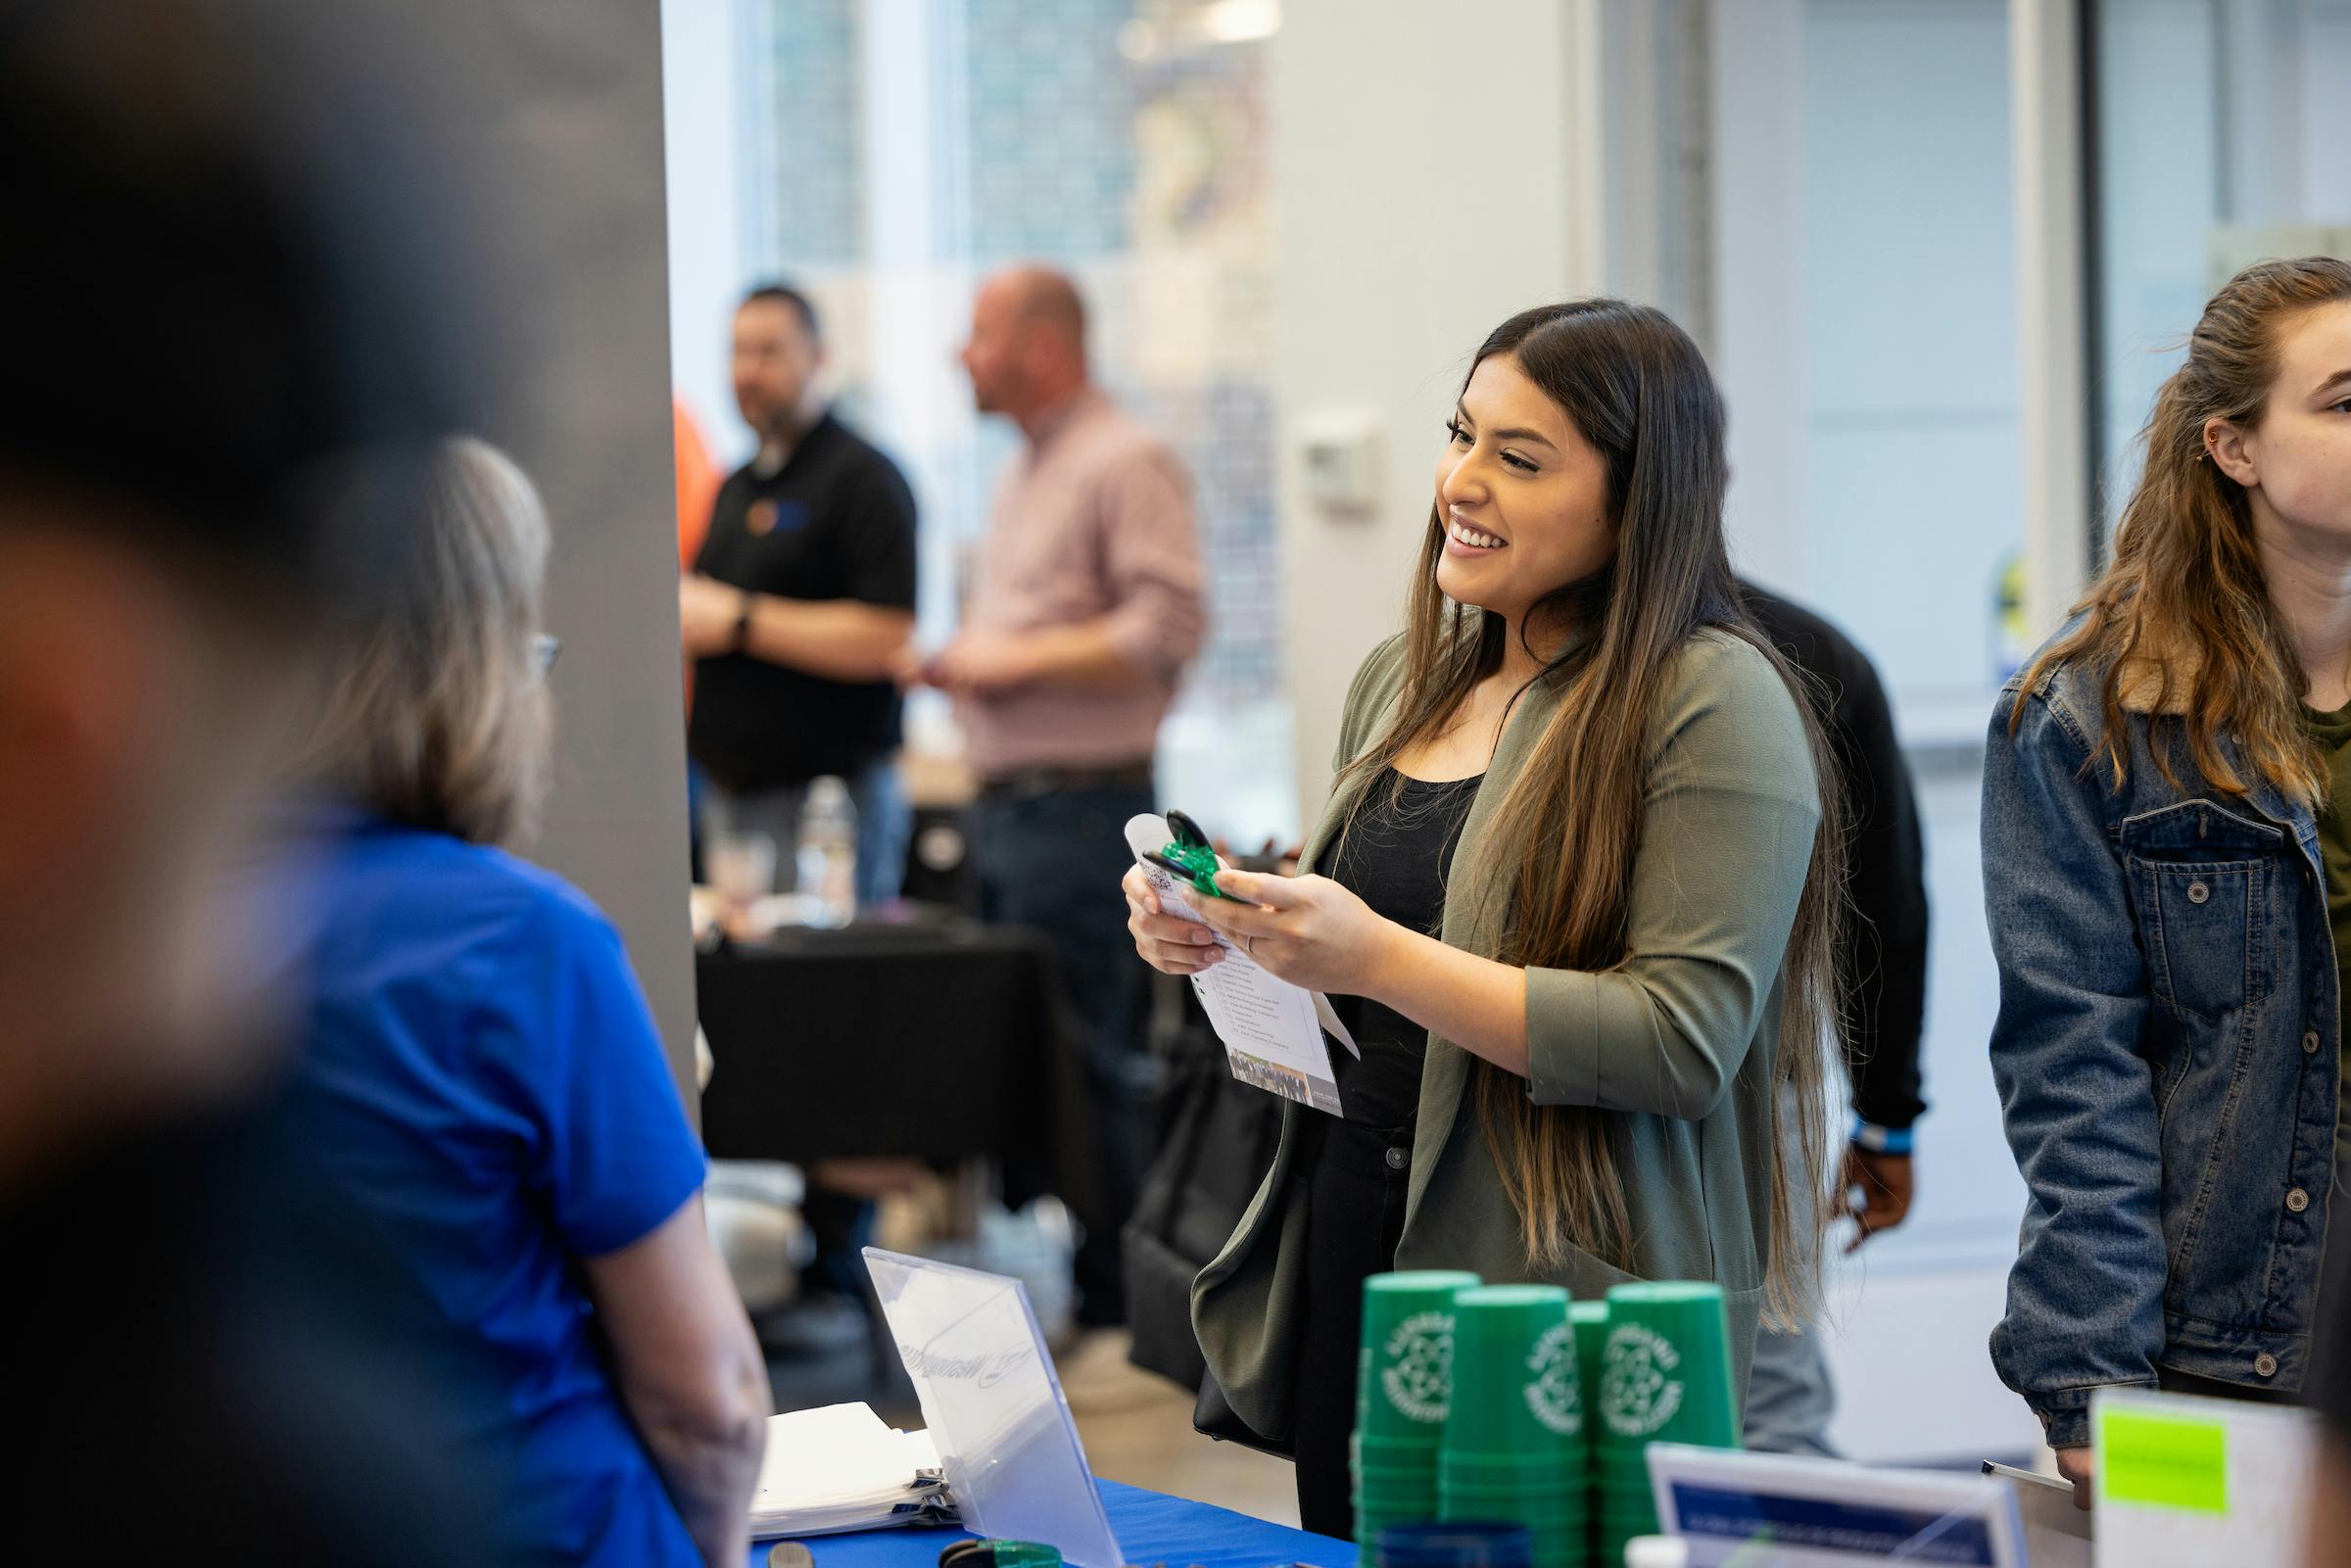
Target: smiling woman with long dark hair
[{"x": 1574, "y": 892}]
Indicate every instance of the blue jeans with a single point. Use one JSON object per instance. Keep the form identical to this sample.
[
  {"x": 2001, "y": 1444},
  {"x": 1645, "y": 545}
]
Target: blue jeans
[
  {"x": 1053, "y": 862},
  {"x": 884, "y": 824}
]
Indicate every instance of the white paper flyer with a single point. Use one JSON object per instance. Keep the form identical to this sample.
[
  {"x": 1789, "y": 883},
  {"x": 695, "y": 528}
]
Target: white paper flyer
[{"x": 1272, "y": 1029}]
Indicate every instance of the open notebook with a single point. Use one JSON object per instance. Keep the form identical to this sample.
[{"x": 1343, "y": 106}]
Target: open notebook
[{"x": 838, "y": 1468}]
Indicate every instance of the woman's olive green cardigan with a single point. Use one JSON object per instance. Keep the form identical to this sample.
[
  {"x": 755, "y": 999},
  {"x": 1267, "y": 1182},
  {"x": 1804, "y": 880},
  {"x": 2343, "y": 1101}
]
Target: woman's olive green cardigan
[{"x": 1678, "y": 1039}]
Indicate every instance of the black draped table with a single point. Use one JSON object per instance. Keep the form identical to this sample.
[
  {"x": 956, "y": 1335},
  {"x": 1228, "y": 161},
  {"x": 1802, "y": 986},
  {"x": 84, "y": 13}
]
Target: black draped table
[{"x": 937, "y": 1039}]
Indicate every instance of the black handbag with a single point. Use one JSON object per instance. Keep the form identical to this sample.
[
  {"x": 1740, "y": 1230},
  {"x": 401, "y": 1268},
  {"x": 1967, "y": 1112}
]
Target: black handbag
[
  {"x": 1213, "y": 1416},
  {"x": 1216, "y": 1138}
]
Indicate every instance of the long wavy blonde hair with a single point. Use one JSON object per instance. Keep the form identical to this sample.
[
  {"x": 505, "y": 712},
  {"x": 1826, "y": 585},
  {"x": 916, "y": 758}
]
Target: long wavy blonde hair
[
  {"x": 1635, "y": 387},
  {"x": 2184, "y": 609}
]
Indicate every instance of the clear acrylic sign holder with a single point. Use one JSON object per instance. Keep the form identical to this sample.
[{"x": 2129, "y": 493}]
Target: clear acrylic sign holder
[{"x": 994, "y": 1406}]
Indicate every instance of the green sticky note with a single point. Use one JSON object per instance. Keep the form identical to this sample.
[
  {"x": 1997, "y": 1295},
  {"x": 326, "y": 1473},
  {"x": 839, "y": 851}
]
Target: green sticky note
[{"x": 2168, "y": 1460}]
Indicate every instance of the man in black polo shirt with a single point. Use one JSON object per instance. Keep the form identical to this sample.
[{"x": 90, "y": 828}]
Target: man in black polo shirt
[{"x": 797, "y": 605}]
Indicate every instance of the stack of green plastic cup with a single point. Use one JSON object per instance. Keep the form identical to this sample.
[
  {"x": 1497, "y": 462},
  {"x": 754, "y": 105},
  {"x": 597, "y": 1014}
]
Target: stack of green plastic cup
[
  {"x": 1514, "y": 1445},
  {"x": 1666, "y": 1377},
  {"x": 1404, "y": 1385}
]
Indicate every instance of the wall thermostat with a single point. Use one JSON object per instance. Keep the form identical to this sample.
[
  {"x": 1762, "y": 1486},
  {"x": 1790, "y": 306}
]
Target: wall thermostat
[{"x": 1339, "y": 456}]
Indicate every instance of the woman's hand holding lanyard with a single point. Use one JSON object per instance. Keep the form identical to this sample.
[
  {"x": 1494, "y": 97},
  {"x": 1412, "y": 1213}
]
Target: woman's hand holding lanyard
[
  {"x": 1315, "y": 933},
  {"x": 1308, "y": 931}
]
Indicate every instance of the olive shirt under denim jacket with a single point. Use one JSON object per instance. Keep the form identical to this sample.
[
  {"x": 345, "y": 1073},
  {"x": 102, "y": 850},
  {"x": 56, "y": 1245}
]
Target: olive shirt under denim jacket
[
  {"x": 1679, "y": 1038},
  {"x": 2166, "y": 1056}
]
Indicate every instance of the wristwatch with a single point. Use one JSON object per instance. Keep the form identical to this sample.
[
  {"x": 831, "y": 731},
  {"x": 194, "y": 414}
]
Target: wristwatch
[{"x": 743, "y": 626}]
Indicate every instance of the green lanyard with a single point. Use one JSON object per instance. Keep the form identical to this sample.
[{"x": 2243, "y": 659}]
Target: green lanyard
[
  {"x": 1189, "y": 858},
  {"x": 999, "y": 1554}
]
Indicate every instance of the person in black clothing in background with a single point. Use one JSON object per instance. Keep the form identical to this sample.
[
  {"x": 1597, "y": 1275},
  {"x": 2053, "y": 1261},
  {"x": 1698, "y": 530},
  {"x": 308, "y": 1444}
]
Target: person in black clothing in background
[
  {"x": 797, "y": 608},
  {"x": 204, "y": 1358},
  {"x": 1884, "y": 974}
]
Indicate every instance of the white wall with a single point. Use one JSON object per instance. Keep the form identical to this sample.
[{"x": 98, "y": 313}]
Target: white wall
[
  {"x": 1425, "y": 189},
  {"x": 1865, "y": 323}
]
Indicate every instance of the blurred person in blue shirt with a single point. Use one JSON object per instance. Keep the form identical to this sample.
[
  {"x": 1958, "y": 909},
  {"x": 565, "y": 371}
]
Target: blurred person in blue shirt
[{"x": 484, "y": 1078}]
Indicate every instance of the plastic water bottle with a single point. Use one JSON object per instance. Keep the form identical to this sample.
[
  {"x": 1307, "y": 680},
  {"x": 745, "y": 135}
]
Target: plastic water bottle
[{"x": 826, "y": 861}]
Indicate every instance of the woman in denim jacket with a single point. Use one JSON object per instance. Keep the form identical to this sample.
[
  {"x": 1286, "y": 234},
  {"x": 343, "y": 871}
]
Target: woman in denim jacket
[{"x": 2167, "y": 858}]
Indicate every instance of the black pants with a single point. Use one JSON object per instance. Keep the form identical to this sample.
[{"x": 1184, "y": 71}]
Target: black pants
[
  {"x": 1053, "y": 862},
  {"x": 1354, "y": 1217}
]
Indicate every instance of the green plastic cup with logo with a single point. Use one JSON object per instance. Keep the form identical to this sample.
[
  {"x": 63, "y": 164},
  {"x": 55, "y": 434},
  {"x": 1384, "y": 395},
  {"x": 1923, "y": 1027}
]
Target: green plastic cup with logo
[
  {"x": 1399, "y": 1485},
  {"x": 1624, "y": 1468},
  {"x": 1555, "y": 1484},
  {"x": 1665, "y": 1369},
  {"x": 1515, "y": 1377},
  {"x": 1406, "y": 1380},
  {"x": 1395, "y": 1498},
  {"x": 1618, "y": 1497},
  {"x": 1554, "y": 1492},
  {"x": 1551, "y": 1477},
  {"x": 1560, "y": 1492},
  {"x": 1549, "y": 1517},
  {"x": 1396, "y": 1488},
  {"x": 1616, "y": 1509},
  {"x": 1625, "y": 1471},
  {"x": 1515, "y": 1445},
  {"x": 1626, "y": 1521},
  {"x": 1619, "y": 1527},
  {"x": 1416, "y": 1453},
  {"x": 1397, "y": 1502}
]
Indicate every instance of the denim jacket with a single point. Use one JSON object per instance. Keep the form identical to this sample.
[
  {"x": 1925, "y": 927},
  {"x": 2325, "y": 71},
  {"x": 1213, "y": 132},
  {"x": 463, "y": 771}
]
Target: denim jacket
[{"x": 2166, "y": 1053}]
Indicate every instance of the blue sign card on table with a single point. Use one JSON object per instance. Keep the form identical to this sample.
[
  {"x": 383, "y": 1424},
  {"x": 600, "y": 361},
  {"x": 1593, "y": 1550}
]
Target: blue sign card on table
[
  {"x": 993, "y": 1407},
  {"x": 1770, "y": 1511}
]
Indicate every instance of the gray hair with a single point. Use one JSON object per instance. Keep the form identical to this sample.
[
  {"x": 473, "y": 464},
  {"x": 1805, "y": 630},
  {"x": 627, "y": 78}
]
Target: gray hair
[{"x": 437, "y": 715}]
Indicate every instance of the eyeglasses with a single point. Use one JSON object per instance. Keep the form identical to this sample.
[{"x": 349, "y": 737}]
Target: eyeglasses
[{"x": 547, "y": 648}]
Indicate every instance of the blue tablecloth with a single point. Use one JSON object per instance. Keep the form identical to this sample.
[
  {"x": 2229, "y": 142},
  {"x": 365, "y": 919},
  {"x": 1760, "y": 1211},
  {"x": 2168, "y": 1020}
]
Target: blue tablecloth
[{"x": 1151, "y": 1529}]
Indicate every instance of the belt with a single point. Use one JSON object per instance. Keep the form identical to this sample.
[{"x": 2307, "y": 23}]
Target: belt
[{"x": 1028, "y": 783}]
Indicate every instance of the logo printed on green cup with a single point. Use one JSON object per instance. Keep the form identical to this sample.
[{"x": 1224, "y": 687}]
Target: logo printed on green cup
[
  {"x": 1638, "y": 1392},
  {"x": 1419, "y": 1376},
  {"x": 1553, "y": 1397}
]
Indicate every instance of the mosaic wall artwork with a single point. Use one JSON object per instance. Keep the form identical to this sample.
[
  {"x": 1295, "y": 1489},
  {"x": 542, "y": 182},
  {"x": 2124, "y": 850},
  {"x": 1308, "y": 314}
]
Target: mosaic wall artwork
[{"x": 1111, "y": 137}]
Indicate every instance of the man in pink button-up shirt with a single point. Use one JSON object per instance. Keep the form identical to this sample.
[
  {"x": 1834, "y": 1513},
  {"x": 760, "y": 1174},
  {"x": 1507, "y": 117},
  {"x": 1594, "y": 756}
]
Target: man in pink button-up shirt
[{"x": 1086, "y": 609}]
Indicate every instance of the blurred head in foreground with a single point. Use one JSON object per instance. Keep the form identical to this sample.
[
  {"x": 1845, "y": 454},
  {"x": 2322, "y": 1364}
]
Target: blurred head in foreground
[{"x": 165, "y": 578}]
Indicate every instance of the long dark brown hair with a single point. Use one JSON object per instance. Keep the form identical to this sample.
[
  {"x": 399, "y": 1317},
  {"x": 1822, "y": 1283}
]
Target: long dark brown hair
[
  {"x": 1636, "y": 388},
  {"x": 2184, "y": 606}
]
